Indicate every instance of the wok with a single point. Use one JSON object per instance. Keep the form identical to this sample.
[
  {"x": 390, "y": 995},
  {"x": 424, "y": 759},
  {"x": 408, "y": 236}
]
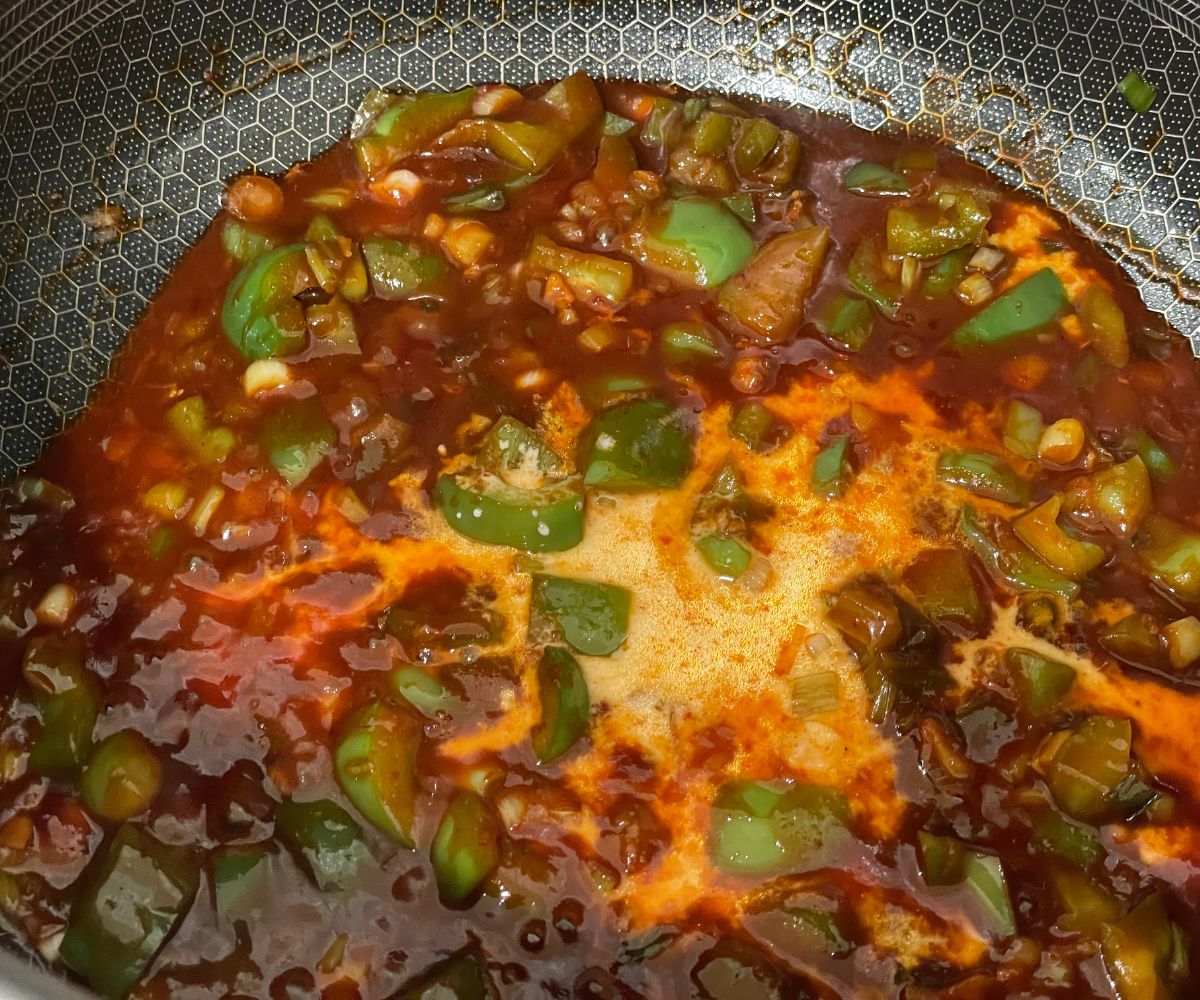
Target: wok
[{"x": 121, "y": 121}]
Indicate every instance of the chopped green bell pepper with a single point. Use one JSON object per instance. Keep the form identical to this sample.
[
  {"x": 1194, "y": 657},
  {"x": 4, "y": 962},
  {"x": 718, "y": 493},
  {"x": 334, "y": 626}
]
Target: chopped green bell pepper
[
  {"x": 729, "y": 557},
  {"x": 874, "y": 179},
  {"x": 261, "y": 316},
  {"x": 462, "y": 976},
  {"x": 399, "y": 270},
  {"x": 1088, "y": 767},
  {"x": 1041, "y": 683},
  {"x": 847, "y": 323},
  {"x": 686, "y": 342},
  {"x": 695, "y": 240},
  {"x": 484, "y": 198},
  {"x": 868, "y": 277},
  {"x": 639, "y": 445},
  {"x": 566, "y": 705},
  {"x": 940, "y": 580},
  {"x": 241, "y": 878},
  {"x": 325, "y": 837},
  {"x": 592, "y": 617},
  {"x": 517, "y": 454},
  {"x": 422, "y": 690},
  {"x": 376, "y": 763},
  {"x": 591, "y": 276},
  {"x": 127, "y": 909},
  {"x": 1022, "y": 429},
  {"x": 944, "y": 276},
  {"x": 770, "y": 826},
  {"x": 1008, "y": 561},
  {"x": 1140, "y": 95},
  {"x": 68, "y": 699},
  {"x": 1053, "y": 833},
  {"x": 751, "y": 424},
  {"x": 983, "y": 474},
  {"x": 1038, "y": 528},
  {"x": 831, "y": 469},
  {"x": 1170, "y": 553},
  {"x": 984, "y": 875},
  {"x": 484, "y": 507},
  {"x": 1145, "y": 953},
  {"x": 1024, "y": 308},
  {"x": 931, "y": 229},
  {"x": 466, "y": 847},
  {"x": 1155, "y": 457},
  {"x": 409, "y": 126},
  {"x": 296, "y": 438},
  {"x": 122, "y": 777},
  {"x": 243, "y": 242}
]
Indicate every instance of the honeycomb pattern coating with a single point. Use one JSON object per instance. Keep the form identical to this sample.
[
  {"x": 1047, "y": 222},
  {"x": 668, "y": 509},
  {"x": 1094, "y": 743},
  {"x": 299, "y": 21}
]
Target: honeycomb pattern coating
[{"x": 121, "y": 120}]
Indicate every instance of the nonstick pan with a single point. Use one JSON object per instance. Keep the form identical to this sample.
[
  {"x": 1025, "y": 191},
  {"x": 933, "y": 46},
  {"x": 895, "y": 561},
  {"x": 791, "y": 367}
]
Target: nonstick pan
[{"x": 121, "y": 121}]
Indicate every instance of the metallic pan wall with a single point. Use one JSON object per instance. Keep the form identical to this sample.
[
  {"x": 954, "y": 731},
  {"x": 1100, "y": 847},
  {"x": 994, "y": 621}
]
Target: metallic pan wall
[{"x": 120, "y": 120}]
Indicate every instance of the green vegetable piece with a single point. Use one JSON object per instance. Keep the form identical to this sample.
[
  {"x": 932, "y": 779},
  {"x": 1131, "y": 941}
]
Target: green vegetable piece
[
  {"x": 68, "y": 699},
  {"x": 376, "y": 763},
  {"x": 241, "y": 876},
  {"x": 399, "y": 270},
  {"x": 1041, "y": 683},
  {"x": 616, "y": 125},
  {"x": 742, "y": 205},
  {"x": 1053, "y": 833},
  {"x": 1136, "y": 639},
  {"x": 605, "y": 391},
  {"x": 566, "y": 706},
  {"x": 944, "y": 589},
  {"x": 756, "y": 142},
  {"x": 712, "y": 134},
  {"x": 1024, "y": 308},
  {"x": 1153, "y": 456},
  {"x": 729, "y": 557},
  {"x": 697, "y": 240},
  {"x": 466, "y": 847},
  {"x": 639, "y": 445},
  {"x": 943, "y": 859},
  {"x": 408, "y": 127},
  {"x": 983, "y": 474},
  {"x": 1145, "y": 954},
  {"x": 296, "y": 438},
  {"x": 984, "y": 875},
  {"x": 592, "y": 617},
  {"x": 261, "y": 316},
  {"x": 751, "y": 423},
  {"x": 1140, "y": 94},
  {"x": 1008, "y": 561},
  {"x": 423, "y": 691},
  {"x": 1085, "y": 904},
  {"x": 1022, "y": 429},
  {"x": 484, "y": 507},
  {"x": 848, "y": 323},
  {"x": 944, "y": 276},
  {"x": 873, "y": 179},
  {"x": 831, "y": 469},
  {"x": 463, "y": 976},
  {"x": 325, "y": 837},
  {"x": 868, "y": 277},
  {"x": 244, "y": 243},
  {"x": 122, "y": 777},
  {"x": 485, "y": 198},
  {"x": 189, "y": 420},
  {"x": 815, "y": 694},
  {"x": 760, "y": 827},
  {"x": 735, "y": 970},
  {"x": 686, "y": 342},
  {"x": 128, "y": 907},
  {"x": 517, "y": 454},
  {"x": 932, "y": 229},
  {"x": 1170, "y": 553},
  {"x": 663, "y": 123},
  {"x": 1088, "y": 767},
  {"x": 591, "y": 276}
]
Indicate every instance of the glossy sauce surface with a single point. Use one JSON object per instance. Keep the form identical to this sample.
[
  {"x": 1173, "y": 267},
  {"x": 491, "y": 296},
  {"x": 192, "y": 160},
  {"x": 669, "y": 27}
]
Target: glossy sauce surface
[{"x": 241, "y": 644}]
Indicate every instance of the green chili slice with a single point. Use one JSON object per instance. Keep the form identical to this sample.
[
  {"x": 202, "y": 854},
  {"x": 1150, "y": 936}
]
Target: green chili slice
[
  {"x": 728, "y": 557},
  {"x": 399, "y": 270},
  {"x": 566, "y": 706},
  {"x": 296, "y": 439},
  {"x": 983, "y": 474},
  {"x": 695, "y": 239},
  {"x": 874, "y": 179},
  {"x": 1137, "y": 92},
  {"x": 831, "y": 470},
  {"x": 325, "y": 837},
  {"x": 261, "y": 317},
  {"x": 466, "y": 847},
  {"x": 1041, "y": 683},
  {"x": 484, "y": 507},
  {"x": 1008, "y": 561},
  {"x": 1024, "y": 308},
  {"x": 122, "y": 777},
  {"x": 376, "y": 763}
]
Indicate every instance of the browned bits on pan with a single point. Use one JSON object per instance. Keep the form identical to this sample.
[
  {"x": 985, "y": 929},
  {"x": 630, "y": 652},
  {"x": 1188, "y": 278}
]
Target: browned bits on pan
[{"x": 254, "y": 199}]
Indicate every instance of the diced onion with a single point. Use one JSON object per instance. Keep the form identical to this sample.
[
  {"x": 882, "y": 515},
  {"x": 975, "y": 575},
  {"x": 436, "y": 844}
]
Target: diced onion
[
  {"x": 352, "y": 508},
  {"x": 598, "y": 337},
  {"x": 757, "y": 575},
  {"x": 1183, "y": 641},
  {"x": 974, "y": 289},
  {"x": 986, "y": 259},
  {"x": 466, "y": 241},
  {"x": 167, "y": 499},
  {"x": 910, "y": 272},
  {"x": 813, "y": 694},
  {"x": 205, "y": 509},
  {"x": 1062, "y": 441},
  {"x": 264, "y": 376},
  {"x": 56, "y": 604}
]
